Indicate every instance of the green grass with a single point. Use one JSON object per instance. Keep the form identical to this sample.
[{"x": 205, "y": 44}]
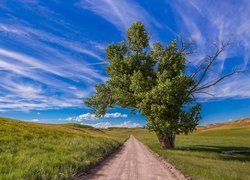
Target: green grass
[
  {"x": 42, "y": 151},
  {"x": 200, "y": 153}
]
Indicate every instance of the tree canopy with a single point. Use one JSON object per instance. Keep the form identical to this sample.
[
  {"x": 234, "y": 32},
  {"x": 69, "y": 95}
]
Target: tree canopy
[{"x": 152, "y": 80}]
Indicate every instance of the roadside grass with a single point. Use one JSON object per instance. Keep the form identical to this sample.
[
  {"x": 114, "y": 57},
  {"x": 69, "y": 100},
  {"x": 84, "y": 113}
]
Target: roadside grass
[
  {"x": 200, "y": 153},
  {"x": 43, "y": 151}
]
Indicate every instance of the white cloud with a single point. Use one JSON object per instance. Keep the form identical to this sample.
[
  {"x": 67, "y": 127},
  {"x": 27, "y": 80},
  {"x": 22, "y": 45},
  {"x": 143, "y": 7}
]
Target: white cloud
[
  {"x": 125, "y": 124},
  {"x": 115, "y": 115},
  {"x": 69, "y": 119},
  {"x": 89, "y": 116},
  {"x": 101, "y": 125},
  {"x": 35, "y": 120}
]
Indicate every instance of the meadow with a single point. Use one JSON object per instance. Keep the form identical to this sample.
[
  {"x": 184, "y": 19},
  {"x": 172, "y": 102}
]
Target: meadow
[
  {"x": 205, "y": 154},
  {"x": 45, "y": 151}
]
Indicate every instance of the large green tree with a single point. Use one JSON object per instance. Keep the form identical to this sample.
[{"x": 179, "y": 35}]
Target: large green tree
[{"x": 153, "y": 81}]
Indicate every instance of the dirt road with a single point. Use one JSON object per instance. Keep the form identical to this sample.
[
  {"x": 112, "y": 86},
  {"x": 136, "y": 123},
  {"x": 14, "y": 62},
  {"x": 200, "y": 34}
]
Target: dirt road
[{"x": 134, "y": 161}]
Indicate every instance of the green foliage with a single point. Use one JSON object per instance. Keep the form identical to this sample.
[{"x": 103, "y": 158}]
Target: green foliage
[
  {"x": 137, "y": 37},
  {"x": 151, "y": 80}
]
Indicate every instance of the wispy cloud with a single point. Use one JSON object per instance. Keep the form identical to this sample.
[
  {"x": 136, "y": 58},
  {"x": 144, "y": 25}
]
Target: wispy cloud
[
  {"x": 51, "y": 61},
  {"x": 207, "y": 21},
  {"x": 19, "y": 68},
  {"x": 120, "y": 13},
  {"x": 31, "y": 33},
  {"x": 49, "y": 77},
  {"x": 15, "y": 103},
  {"x": 236, "y": 87},
  {"x": 123, "y": 13}
]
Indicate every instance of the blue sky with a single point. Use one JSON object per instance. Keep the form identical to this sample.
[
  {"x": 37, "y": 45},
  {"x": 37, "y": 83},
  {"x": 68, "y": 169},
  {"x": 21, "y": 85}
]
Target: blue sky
[{"x": 52, "y": 54}]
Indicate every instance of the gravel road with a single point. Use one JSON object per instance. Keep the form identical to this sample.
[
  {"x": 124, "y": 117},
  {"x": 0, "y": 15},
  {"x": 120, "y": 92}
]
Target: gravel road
[{"x": 134, "y": 161}]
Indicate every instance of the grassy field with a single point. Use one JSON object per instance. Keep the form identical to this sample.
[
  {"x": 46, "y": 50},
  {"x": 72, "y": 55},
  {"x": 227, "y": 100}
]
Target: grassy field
[
  {"x": 200, "y": 153},
  {"x": 42, "y": 151}
]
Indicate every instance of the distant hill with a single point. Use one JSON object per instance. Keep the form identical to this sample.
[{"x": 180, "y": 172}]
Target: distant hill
[{"x": 234, "y": 123}]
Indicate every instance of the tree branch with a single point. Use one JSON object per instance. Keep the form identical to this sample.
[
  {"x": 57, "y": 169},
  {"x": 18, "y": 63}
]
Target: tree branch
[
  {"x": 204, "y": 92},
  {"x": 215, "y": 81},
  {"x": 211, "y": 60},
  {"x": 186, "y": 47}
]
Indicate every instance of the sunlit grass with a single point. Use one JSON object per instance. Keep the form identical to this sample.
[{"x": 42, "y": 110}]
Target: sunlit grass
[
  {"x": 41, "y": 151},
  {"x": 200, "y": 153}
]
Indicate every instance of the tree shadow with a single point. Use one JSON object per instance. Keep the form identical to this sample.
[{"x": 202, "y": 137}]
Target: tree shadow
[{"x": 224, "y": 152}]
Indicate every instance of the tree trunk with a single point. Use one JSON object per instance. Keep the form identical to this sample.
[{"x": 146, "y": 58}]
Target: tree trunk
[{"x": 166, "y": 141}]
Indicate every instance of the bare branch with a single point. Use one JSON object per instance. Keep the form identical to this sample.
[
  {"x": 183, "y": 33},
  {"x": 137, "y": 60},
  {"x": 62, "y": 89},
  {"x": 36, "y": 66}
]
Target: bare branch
[
  {"x": 186, "y": 47},
  {"x": 211, "y": 60},
  {"x": 216, "y": 81},
  {"x": 198, "y": 69},
  {"x": 203, "y": 92}
]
